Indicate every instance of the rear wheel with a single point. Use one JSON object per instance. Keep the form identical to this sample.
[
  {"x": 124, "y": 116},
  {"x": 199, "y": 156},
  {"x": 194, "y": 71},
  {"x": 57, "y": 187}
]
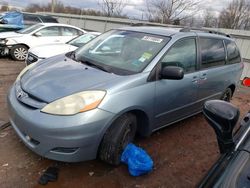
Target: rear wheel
[
  {"x": 227, "y": 95},
  {"x": 19, "y": 52},
  {"x": 117, "y": 137}
]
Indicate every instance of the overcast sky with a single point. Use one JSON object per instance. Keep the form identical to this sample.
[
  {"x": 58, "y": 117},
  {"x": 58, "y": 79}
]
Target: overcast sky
[{"x": 132, "y": 9}]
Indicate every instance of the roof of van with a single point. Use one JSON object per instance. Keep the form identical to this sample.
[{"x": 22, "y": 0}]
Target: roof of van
[{"x": 170, "y": 31}]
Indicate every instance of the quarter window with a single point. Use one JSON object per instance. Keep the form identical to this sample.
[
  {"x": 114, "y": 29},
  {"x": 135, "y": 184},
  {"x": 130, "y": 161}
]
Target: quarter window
[
  {"x": 212, "y": 52},
  {"x": 233, "y": 54},
  {"x": 182, "y": 54}
]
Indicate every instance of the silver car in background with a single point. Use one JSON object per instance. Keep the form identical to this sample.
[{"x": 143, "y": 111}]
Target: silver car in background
[
  {"x": 39, "y": 53},
  {"x": 91, "y": 102}
]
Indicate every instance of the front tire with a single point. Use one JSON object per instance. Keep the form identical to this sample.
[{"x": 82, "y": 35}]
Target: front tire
[
  {"x": 19, "y": 52},
  {"x": 117, "y": 137},
  {"x": 227, "y": 95}
]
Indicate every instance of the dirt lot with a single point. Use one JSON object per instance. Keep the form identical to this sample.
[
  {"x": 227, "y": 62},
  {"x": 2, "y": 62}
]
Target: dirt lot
[{"x": 182, "y": 153}]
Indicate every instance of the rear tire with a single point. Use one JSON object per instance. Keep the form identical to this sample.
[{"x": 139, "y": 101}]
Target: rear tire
[
  {"x": 116, "y": 138},
  {"x": 227, "y": 95},
  {"x": 19, "y": 52}
]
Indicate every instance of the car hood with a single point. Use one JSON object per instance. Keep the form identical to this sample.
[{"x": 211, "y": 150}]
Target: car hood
[
  {"x": 60, "y": 76},
  {"x": 49, "y": 50},
  {"x": 10, "y": 34}
]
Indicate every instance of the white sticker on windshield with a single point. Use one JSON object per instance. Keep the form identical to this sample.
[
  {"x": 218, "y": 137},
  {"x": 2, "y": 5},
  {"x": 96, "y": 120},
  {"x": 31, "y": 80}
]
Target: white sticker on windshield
[{"x": 152, "y": 39}]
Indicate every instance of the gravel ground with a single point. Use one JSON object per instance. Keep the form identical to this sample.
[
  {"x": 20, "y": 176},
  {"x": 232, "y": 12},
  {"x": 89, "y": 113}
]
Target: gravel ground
[{"x": 182, "y": 153}]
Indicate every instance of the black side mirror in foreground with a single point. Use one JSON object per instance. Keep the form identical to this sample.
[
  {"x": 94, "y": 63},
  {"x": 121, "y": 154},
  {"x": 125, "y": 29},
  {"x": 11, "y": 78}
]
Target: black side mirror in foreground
[
  {"x": 172, "y": 73},
  {"x": 222, "y": 116}
]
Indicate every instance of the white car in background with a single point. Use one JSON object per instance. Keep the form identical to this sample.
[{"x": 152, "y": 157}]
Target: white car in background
[
  {"x": 45, "y": 51},
  {"x": 17, "y": 43}
]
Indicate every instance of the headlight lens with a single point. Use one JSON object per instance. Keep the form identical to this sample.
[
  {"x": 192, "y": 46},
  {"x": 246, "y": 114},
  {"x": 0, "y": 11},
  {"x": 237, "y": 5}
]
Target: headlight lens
[
  {"x": 24, "y": 71},
  {"x": 3, "y": 41},
  {"x": 76, "y": 103}
]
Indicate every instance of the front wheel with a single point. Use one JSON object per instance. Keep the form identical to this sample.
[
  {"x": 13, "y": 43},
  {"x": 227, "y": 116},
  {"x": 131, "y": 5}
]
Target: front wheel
[
  {"x": 117, "y": 137},
  {"x": 19, "y": 52},
  {"x": 227, "y": 95}
]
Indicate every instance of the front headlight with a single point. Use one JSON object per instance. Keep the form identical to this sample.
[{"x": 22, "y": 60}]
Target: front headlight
[
  {"x": 3, "y": 41},
  {"x": 24, "y": 71},
  {"x": 76, "y": 103}
]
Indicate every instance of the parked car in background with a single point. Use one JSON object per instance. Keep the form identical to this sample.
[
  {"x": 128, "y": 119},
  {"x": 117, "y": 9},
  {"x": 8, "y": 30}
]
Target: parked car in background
[
  {"x": 48, "y": 50},
  {"x": 233, "y": 167},
  {"x": 91, "y": 102},
  {"x": 14, "y": 20},
  {"x": 17, "y": 43}
]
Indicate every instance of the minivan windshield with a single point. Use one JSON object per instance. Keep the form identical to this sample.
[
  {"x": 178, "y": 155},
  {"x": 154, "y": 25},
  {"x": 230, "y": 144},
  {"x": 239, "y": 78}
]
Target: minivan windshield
[
  {"x": 30, "y": 29},
  {"x": 121, "y": 52}
]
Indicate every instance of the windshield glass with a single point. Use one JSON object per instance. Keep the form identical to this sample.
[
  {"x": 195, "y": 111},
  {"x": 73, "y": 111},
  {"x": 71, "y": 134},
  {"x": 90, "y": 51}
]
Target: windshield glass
[
  {"x": 30, "y": 29},
  {"x": 81, "y": 40},
  {"x": 123, "y": 52}
]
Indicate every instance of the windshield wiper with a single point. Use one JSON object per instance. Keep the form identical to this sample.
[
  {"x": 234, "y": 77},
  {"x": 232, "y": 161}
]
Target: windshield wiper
[{"x": 103, "y": 68}]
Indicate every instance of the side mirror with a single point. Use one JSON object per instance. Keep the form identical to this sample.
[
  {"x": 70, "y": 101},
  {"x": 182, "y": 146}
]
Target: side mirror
[
  {"x": 172, "y": 73},
  {"x": 222, "y": 116},
  {"x": 38, "y": 34},
  {"x": 246, "y": 82}
]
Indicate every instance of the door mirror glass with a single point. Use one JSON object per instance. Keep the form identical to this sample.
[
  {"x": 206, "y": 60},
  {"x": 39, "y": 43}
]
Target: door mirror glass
[
  {"x": 172, "y": 73},
  {"x": 246, "y": 82}
]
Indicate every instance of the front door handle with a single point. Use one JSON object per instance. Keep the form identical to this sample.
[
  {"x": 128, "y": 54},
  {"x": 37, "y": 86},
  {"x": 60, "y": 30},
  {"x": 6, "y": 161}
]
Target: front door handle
[{"x": 203, "y": 76}]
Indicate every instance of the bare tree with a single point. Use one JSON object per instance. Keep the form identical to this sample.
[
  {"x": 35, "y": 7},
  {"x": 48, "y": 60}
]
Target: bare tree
[
  {"x": 209, "y": 18},
  {"x": 236, "y": 15},
  {"x": 112, "y": 7},
  {"x": 5, "y": 7},
  {"x": 168, "y": 11}
]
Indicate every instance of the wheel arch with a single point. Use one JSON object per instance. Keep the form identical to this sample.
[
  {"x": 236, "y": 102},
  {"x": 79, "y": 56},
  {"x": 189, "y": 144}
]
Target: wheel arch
[{"x": 232, "y": 87}]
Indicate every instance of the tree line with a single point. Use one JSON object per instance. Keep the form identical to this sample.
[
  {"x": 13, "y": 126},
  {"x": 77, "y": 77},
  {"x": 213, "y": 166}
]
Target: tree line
[{"x": 235, "y": 15}]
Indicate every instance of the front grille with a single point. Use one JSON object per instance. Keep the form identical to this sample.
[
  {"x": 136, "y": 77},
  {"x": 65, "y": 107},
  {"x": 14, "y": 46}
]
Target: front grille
[
  {"x": 31, "y": 58},
  {"x": 27, "y": 99}
]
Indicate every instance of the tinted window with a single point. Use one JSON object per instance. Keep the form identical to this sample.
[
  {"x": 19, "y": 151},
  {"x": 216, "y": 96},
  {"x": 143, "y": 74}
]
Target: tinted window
[
  {"x": 212, "y": 52},
  {"x": 68, "y": 31},
  {"x": 30, "y": 19},
  {"x": 48, "y": 19},
  {"x": 50, "y": 31},
  {"x": 233, "y": 54},
  {"x": 182, "y": 54}
]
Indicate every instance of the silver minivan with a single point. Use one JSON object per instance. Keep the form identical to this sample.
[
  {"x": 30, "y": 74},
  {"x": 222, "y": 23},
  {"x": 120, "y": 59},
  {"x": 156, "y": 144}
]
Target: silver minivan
[{"x": 91, "y": 102}]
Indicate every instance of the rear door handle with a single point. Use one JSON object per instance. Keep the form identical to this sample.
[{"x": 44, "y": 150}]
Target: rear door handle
[{"x": 195, "y": 79}]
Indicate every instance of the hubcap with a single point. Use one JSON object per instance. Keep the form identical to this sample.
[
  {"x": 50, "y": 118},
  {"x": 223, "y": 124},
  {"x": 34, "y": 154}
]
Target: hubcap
[{"x": 20, "y": 53}]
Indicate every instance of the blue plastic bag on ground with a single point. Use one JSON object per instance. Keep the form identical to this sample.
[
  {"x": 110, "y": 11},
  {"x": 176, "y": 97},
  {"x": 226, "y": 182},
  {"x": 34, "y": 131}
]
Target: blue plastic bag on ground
[{"x": 138, "y": 161}]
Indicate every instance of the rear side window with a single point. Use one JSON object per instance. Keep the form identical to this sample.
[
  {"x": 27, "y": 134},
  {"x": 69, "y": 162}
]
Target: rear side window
[
  {"x": 233, "y": 54},
  {"x": 182, "y": 54},
  {"x": 50, "y": 31},
  {"x": 69, "y": 31},
  {"x": 212, "y": 52}
]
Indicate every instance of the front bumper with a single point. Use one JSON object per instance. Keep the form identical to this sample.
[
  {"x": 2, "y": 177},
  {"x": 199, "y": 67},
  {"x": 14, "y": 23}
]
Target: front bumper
[
  {"x": 5, "y": 49},
  {"x": 63, "y": 138}
]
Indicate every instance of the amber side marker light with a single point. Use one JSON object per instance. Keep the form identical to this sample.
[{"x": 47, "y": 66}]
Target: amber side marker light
[{"x": 246, "y": 82}]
